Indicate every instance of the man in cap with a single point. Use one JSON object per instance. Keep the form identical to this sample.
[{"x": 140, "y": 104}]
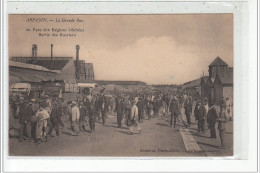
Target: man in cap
[
  {"x": 140, "y": 106},
  {"x": 42, "y": 115},
  {"x": 206, "y": 109},
  {"x": 228, "y": 109},
  {"x": 24, "y": 114},
  {"x": 35, "y": 107},
  {"x": 223, "y": 103},
  {"x": 201, "y": 117},
  {"x": 83, "y": 119},
  {"x": 134, "y": 117},
  {"x": 188, "y": 110},
  {"x": 55, "y": 116},
  {"x": 222, "y": 127},
  {"x": 75, "y": 115},
  {"x": 174, "y": 109},
  {"x": 128, "y": 106},
  {"x": 211, "y": 119},
  {"x": 90, "y": 105},
  {"x": 120, "y": 110},
  {"x": 48, "y": 102},
  {"x": 103, "y": 107},
  {"x": 196, "y": 109}
]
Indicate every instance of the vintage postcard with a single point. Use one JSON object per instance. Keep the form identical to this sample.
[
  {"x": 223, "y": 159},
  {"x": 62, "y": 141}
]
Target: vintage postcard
[{"x": 121, "y": 85}]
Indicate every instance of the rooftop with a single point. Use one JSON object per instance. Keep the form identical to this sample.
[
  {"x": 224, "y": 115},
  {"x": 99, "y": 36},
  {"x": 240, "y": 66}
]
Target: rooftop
[
  {"x": 218, "y": 62},
  {"x": 55, "y": 63}
]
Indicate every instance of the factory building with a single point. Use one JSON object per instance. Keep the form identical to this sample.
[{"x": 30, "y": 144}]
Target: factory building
[{"x": 70, "y": 70}]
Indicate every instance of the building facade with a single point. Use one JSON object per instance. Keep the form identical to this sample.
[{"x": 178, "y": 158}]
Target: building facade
[{"x": 219, "y": 83}]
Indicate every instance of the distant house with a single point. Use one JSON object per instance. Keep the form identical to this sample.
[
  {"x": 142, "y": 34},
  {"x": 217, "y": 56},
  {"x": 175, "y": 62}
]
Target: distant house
[
  {"x": 109, "y": 82},
  {"x": 219, "y": 83},
  {"x": 194, "y": 84},
  {"x": 193, "y": 87}
]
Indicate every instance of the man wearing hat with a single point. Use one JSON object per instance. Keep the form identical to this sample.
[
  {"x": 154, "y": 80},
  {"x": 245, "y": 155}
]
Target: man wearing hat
[
  {"x": 211, "y": 119},
  {"x": 223, "y": 103},
  {"x": 140, "y": 106},
  {"x": 24, "y": 114},
  {"x": 222, "y": 120},
  {"x": 120, "y": 110},
  {"x": 42, "y": 116},
  {"x": 188, "y": 110},
  {"x": 83, "y": 119},
  {"x": 134, "y": 117},
  {"x": 201, "y": 115},
  {"x": 196, "y": 109},
  {"x": 34, "y": 107},
  {"x": 174, "y": 109},
  {"x": 48, "y": 102},
  {"x": 206, "y": 105},
  {"x": 55, "y": 116},
  {"x": 75, "y": 117},
  {"x": 103, "y": 107}
]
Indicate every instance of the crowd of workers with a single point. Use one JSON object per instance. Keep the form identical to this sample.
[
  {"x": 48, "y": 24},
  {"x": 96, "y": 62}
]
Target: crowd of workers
[{"x": 38, "y": 119}]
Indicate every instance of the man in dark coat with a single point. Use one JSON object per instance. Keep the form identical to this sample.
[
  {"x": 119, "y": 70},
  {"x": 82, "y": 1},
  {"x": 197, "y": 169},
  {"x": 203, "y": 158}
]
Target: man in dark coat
[
  {"x": 127, "y": 111},
  {"x": 103, "y": 107},
  {"x": 120, "y": 110},
  {"x": 97, "y": 108},
  {"x": 196, "y": 110},
  {"x": 222, "y": 120},
  {"x": 223, "y": 103},
  {"x": 149, "y": 107},
  {"x": 174, "y": 109},
  {"x": 25, "y": 114},
  {"x": 201, "y": 117},
  {"x": 35, "y": 107},
  {"x": 83, "y": 117},
  {"x": 140, "y": 106},
  {"x": 55, "y": 116},
  {"x": 188, "y": 110},
  {"x": 155, "y": 107},
  {"x": 211, "y": 119},
  {"x": 91, "y": 111}
]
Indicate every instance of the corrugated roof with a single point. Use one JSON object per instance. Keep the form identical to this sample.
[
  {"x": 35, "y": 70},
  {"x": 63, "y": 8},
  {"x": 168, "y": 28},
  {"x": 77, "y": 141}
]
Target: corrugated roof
[
  {"x": 193, "y": 83},
  {"x": 28, "y": 66},
  {"x": 218, "y": 62},
  {"x": 32, "y": 77},
  {"x": 52, "y": 64}
]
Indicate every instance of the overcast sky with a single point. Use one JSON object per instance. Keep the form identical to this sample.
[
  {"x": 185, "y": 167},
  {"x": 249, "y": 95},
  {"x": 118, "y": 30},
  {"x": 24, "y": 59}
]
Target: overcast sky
[{"x": 157, "y": 49}]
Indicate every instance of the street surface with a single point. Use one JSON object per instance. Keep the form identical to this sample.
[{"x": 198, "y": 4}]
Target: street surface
[{"x": 156, "y": 139}]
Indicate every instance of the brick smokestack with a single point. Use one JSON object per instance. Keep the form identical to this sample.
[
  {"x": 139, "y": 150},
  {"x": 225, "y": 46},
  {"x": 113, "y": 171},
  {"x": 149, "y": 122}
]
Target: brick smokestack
[
  {"x": 77, "y": 62},
  {"x": 51, "y": 51},
  {"x": 34, "y": 52},
  {"x": 77, "y": 53}
]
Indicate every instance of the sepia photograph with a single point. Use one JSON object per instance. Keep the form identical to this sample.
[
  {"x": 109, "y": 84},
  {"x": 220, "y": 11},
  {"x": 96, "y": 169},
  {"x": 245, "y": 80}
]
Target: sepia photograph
[{"x": 92, "y": 85}]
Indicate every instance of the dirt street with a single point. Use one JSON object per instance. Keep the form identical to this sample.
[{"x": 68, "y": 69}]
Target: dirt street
[{"x": 156, "y": 139}]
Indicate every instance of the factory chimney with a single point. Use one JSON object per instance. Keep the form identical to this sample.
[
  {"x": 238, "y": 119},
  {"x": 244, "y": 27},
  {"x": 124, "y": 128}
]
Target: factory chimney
[
  {"x": 34, "y": 52},
  {"x": 77, "y": 53},
  {"x": 77, "y": 62},
  {"x": 51, "y": 51}
]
